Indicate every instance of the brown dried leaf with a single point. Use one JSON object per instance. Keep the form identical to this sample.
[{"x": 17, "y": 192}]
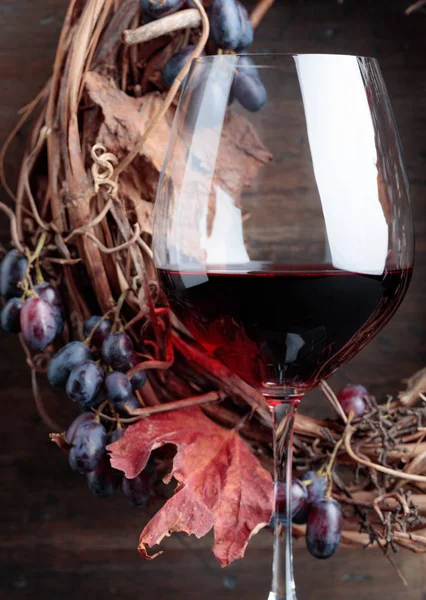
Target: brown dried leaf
[{"x": 221, "y": 484}]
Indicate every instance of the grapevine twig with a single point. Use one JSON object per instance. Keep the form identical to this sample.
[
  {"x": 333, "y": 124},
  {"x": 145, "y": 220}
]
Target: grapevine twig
[
  {"x": 332, "y": 398},
  {"x": 184, "y": 19},
  {"x": 13, "y": 227},
  {"x": 376, "y": 466},
  {"x": 259, "y": 11},
  {"x": 142, "y": 413}
]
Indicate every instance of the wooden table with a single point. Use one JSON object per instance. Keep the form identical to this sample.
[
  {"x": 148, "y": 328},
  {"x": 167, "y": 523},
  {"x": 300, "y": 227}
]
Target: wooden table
[{"x": 57, "y": 540}]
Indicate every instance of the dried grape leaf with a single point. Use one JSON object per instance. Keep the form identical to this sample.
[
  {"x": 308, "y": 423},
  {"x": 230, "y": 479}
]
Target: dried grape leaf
[{"x": 221, "y": 484}]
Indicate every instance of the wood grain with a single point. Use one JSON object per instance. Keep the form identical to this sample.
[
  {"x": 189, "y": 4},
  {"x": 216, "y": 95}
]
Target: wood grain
[{"x": 59, "y": 541}]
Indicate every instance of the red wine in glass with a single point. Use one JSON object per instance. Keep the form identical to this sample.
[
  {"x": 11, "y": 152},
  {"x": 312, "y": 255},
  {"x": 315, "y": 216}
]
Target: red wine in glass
[{"x": 283, "y": 326}]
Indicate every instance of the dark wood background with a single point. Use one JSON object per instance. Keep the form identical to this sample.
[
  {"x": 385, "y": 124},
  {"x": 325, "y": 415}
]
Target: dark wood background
[{"x": 57, "y": 540}]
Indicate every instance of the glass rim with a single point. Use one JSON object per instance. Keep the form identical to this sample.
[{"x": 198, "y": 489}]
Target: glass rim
[{"x": 277, "y": 55}]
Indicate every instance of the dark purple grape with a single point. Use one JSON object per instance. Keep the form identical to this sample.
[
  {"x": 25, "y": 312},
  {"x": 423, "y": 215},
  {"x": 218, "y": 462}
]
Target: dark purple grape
[
  {"x": 247, "y": 34},
  {"x": 11, "y": 315},
  {"x": 104, "y": 480},
  {"x": 225, "y": 24},
  {"x": 136, "y": 490},
  {"x": 102, "y": 331},
  {"x": 317, "y": 487},
  {"x": 38, "y": 323},
  {"x": 85, "y": 383},
  {"x": 88, "y": 447},
  {"x": 324, "y": 528},
  {"x": 12, "y": 272},
  {"x": 117, "y": 351},
  {"x": 116, "y": 435},
  {"x": 155, "y": 9},
  {"x": 64, "y": 361},
  {"x": 299, "y": 499},
  {"x": 352, "y": 398},
  {"x": 138, "y": 380},
  {"x": 46, "y": 291},
  {"x": 71, "y": 431},
  {"x": 302, "y": 515},
  {"x": 118, "y": 389},
  {"x": 173, "y": 67},
  {"x": 249, "y": 90}
]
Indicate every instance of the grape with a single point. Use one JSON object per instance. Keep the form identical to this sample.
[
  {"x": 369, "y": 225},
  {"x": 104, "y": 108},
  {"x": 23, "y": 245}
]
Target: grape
[
  {"x": 12, "y": 272},
  {"x": 71, "y": 431},
  {"x": 64, "y": 361},
  {"x": 173, "y": 67},
  {"x": 302, "y": 515},
  {"x": 38, "y": 323},
  {"x": 116, "y": 435},
  {"x": 248, "y": 89},
  {"x": 47, "y": 292},
  {"x": 117, "y": 351},
  {"x": 225, "y": 24},
  {"x": 88, "y": 447},
  {"x": 247, "y": 33},
  {"x": 118, "y": 388},
  {"x": 139, "y": 379},
  {"x": 85, "y": 383},
  {"x": 352, "y": 398},
  {"x": 136, "y": 490},
  {"x": 104, "y": 480},
  {"x": 101, "y": 332},
  {"x": 317, "y": 487},
  {"x": 324, "y": 528},
  {"x": 10, "y": 315},
  {"x": 299, "y": 498},
  {"x": 155, "y": 9}
]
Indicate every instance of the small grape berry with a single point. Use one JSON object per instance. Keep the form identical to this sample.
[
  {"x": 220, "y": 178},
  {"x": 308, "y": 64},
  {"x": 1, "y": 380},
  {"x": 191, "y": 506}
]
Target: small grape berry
[
  {"x": 48, "y": 293},
  {"x": 11, "y": 315},
  {"x": 84, "y": 384},
  {"x": 12, "y": 272},
  {"x": 136, "y": 490},
  {"x": 299, "y": 499},
  {"x": 352, "y": 399},
  {"x": 117, "y": 351},
  {"x": 64, "y": 361},
  {"x": 38, "y": 323},
  {"x": 102, "y": 331},
  {"x": 324, "y": 528}
]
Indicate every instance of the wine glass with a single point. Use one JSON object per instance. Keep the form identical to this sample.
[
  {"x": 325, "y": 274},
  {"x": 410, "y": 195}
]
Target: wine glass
[{"x": 283, "y": 234}]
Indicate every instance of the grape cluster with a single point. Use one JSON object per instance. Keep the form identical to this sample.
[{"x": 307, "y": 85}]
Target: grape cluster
[
  {"x": 36, "y": 312},
  {"x": 312, "y": 507},
  {"x": 91, "y": 373},
  {"x": 94, "y": 371},
  {"x": 230, "y": 30}
]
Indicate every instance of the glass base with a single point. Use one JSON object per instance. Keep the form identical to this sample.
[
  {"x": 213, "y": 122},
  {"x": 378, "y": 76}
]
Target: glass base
[{"x": 273, "y": 596}]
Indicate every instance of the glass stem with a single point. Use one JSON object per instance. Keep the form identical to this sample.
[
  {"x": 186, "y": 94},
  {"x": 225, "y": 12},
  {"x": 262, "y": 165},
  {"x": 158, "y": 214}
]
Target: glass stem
[{"x": 283, "y": 414}]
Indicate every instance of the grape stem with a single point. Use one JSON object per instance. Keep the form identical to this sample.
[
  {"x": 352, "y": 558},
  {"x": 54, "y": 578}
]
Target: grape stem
[
  {"x": 141, "y": 413},
  {"x": 184, "y": 19}
]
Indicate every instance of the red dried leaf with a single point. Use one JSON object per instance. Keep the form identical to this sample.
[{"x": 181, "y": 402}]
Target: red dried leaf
[{"x": 221, "y": 484}]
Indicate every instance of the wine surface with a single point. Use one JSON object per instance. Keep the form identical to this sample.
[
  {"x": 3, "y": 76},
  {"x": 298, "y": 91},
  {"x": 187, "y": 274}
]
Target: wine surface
[{"x": 278, "y": 326}]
